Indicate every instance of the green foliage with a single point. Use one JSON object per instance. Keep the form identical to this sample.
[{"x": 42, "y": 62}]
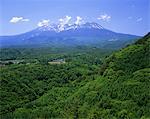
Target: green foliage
[
  {"x": 38, "y": 90},
  {"x": 131, "y": 58}
]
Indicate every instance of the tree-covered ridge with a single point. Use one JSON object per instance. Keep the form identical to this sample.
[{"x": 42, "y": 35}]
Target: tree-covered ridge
[
  {"x": 81, "y": 88},
  {"x": 145, "y": 40},
  {"x": 123, "y": 90},
  {"x": 131, "y": 58}
]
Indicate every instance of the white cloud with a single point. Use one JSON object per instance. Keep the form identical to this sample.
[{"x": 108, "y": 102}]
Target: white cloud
[
  {"x": 139, "y": 19},
  {"x": 79, "y": 20},
  {"x": 18, "y": 19},
  {"x": 25, "y": 20},
  {"x": 104, "y": 17},
  {"x": 44, "y": 22},
  {"x": 64, "y": 21}
]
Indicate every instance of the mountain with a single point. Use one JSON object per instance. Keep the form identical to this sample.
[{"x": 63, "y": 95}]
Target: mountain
[{"x": 69, "y": 35}]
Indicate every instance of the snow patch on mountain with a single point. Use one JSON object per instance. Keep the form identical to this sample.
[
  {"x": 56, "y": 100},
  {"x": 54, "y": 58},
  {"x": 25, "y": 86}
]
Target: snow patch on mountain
[{"x": 59, "y": 28}]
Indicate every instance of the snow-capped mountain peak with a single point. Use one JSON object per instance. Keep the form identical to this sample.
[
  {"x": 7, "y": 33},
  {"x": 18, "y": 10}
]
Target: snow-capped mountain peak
[
  {"x": 60, "y": 28},
  {"x": 91, "y": 25},
  {"x": 85, "y": 25},
  {"x": 51, "y": 27}
]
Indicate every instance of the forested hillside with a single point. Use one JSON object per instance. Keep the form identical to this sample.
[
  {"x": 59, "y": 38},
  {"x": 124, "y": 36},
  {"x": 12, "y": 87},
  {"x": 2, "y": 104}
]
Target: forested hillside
[{"x": 89, "y": 85}]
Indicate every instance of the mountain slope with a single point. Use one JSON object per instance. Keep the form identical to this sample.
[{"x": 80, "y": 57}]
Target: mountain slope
[
  {"x": 122, "y": 91},
  {"x": 131, "y": 58},
  {"x": 71, "y": 35}
]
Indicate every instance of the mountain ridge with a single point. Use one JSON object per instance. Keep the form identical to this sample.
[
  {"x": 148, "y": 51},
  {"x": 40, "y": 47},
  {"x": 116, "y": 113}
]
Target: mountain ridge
[{"x": 70, "y": 35}]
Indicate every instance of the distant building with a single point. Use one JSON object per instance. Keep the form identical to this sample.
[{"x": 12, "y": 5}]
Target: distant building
[
  {"x": 57, "y": 61},
  {"x": 8, "y": 62}
]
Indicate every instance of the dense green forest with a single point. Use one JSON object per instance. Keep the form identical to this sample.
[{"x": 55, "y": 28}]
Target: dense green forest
[{"x": 93, "y": 83}]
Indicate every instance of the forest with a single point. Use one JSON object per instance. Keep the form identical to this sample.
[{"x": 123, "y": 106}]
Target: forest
[{"x": 93, "y": 83}]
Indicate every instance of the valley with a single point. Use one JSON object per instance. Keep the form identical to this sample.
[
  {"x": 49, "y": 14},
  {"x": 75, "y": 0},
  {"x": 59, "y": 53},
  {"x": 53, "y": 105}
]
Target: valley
[{"x": 92, "y": 83}]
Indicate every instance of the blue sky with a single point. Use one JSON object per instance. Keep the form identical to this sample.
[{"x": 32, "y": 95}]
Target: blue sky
[{"x": 124, "y": 16}]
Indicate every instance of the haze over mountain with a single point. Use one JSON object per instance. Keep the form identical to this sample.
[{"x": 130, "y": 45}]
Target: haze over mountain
[{"x": 69, "y": 35}]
